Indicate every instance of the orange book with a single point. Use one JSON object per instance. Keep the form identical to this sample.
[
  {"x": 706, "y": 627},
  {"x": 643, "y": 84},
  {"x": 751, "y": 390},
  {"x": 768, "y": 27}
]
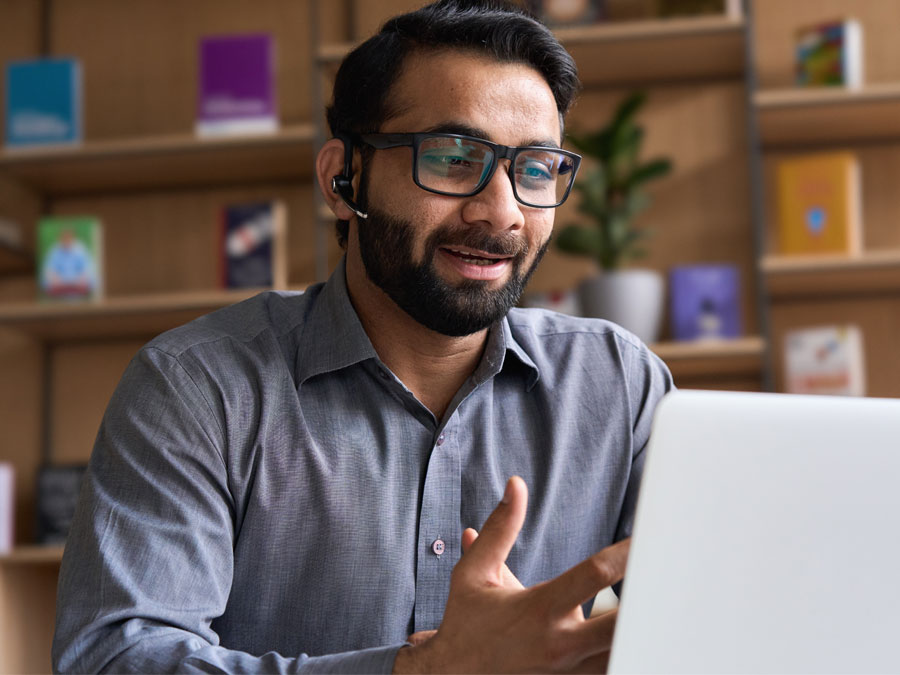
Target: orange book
[{"x": 819, "y": 207}]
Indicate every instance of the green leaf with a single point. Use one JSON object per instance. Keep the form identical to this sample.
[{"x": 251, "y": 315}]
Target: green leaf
[
  {"x": 650, "y": 171},
  {"x": 580, "y": 240}
]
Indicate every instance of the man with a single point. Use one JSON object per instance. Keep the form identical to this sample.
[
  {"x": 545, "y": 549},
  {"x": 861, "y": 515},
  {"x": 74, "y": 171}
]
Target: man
[{"x": 290, "y": 483}]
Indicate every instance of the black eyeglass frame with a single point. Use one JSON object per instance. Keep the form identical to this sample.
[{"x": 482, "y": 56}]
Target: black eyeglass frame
[{"x": 414, "y": 140}]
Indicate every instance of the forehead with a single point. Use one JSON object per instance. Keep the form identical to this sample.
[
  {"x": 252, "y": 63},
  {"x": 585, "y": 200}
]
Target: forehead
[{"x": 510, "y": 102}]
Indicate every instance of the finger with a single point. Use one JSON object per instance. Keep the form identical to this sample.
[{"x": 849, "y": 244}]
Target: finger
[
  {"x": 489, "y": 550},
  {"x": 420, "y": 637},
  {"x": 594, "y": 637},
  {"x": 508, "y": 579},
  {"x": 582, "y": 582},
  {"x": 469, "y": 536}
]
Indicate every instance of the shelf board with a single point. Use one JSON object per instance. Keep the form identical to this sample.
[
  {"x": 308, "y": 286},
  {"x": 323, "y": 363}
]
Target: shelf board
[
  {"x": 15, "y": 261},
  {"x": 833, "y": 275},
  {"x": 163, "y": 162},
  {"x": 31, "y": 555},
  {"x": 116, "y": 317},
  {"x": 713, "y": 357},
  {"x": 631, "y": 52},
  {"x": 828, "y": 115}
]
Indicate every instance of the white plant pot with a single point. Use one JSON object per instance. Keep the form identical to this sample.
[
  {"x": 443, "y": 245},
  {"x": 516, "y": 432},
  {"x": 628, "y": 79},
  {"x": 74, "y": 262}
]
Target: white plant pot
[{"x": 631, "y": 298}]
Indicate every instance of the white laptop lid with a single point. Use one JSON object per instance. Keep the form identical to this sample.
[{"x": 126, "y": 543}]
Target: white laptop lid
[{"x": 766, "y": 538}]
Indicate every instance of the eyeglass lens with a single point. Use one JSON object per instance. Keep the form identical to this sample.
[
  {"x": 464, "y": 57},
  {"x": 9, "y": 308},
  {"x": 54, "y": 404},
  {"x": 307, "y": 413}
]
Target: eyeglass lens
[{"x": 458, "y": 166}]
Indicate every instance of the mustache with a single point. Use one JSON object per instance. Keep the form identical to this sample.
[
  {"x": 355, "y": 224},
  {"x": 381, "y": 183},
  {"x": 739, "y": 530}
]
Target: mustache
[{"x": 503, "y": 244}]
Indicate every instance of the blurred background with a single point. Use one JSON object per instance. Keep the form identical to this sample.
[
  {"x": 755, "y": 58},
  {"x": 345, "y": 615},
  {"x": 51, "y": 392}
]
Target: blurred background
[{"x": 157, "y": 164}]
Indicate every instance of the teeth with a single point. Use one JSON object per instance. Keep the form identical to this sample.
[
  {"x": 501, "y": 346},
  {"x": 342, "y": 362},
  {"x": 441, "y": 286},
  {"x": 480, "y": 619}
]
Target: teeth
[{"x": 474, "y": 259}]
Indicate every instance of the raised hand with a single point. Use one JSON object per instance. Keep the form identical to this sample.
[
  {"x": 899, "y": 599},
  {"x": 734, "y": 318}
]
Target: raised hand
[{"x": 493, "y": 624}]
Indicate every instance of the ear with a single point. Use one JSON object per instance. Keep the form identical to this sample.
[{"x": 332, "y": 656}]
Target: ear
[{"x": 330, "y": 163}]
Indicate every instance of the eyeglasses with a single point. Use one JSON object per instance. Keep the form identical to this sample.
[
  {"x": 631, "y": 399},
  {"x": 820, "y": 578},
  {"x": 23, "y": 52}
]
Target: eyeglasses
[{"x": 461, "y": 166}]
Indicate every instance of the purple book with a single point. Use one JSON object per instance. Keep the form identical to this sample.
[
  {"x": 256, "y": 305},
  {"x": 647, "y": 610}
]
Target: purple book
[
  {"x": 705, "y": 302},
  {"x": 236, "y": 85}
]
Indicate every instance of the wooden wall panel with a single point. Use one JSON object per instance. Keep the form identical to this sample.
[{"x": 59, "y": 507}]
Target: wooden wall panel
[
  {"x": 86, "y": 373},
  {"x": 21, "y": 385},
  {"x": 775, "y": 22},
  {"x": 20, "y": 37},
  {"x": 26, "y": 634},
  {"x": 879, "y": 168},
  {"x": 141, "y": 78},
  {"x": 701, "y": 211},
  {"x": 159, "y": 242},
  {"x": 878, "y": 317}
]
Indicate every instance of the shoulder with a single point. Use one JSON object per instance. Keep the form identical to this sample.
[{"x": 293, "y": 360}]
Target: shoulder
[
  {"x": 536, "y": 327},
  {"x": 272, "y": 314},
  {"x": 559, "y": 343}
]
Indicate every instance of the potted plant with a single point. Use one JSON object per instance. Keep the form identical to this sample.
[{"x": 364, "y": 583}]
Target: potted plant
[{"x": 611, "y": 196}]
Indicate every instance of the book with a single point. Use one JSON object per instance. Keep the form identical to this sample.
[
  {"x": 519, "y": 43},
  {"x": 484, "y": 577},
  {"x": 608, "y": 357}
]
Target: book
[
  {"x": 559, "y": 13},
  {"x": 236, "y": 85},
  {"x": 253, "y": 248},
  {"x": 70, "y": 258},
  {"x": 830, "y": 54},
  {"x": 825, "y": 360},
  {"x": 705, "y": 302},
  {"x": 57, "y": 493},
  {"x": 7, "y": 507},
  {"x": 819, "y": 204},
  {"x": 43, "y": 102}
]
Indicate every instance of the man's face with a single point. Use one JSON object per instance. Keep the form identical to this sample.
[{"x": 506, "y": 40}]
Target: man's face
[{"x": 456, "y": 264}]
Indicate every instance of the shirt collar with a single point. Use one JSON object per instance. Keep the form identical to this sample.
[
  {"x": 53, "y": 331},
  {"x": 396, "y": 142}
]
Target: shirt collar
[{"x": 333, "y": 337}]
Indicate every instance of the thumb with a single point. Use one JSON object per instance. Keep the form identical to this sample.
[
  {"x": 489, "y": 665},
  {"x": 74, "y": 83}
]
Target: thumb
[
  {"x": 507, "y": 578},
  {"x": 486, "y": 555}
]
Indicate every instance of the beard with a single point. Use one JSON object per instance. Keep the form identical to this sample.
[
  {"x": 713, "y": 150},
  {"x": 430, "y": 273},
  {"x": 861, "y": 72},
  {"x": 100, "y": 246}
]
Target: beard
[{"x": 386, "y": 247}]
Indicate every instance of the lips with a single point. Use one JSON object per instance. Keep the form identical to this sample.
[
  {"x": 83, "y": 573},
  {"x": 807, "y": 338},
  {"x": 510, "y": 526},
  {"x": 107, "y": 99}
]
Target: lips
[
  {"x": 473, "y": 264},
  {"x": 473, "y": 257}
]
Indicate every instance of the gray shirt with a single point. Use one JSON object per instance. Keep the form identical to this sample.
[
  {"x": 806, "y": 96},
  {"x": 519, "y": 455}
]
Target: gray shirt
[{"x": 265, "y": 495}]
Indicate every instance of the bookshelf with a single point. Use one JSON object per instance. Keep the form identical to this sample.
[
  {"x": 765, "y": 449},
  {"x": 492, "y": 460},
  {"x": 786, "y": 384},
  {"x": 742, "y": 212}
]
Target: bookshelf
[
  {"x": 154, "y": 185},
  {"x": 116, "y": 317},
  {"x": 14, "y": 261},
  {"x": 824, "y": 290},
  {"x": 828, "y": 116},
  {"x": 161, "y": 162}
]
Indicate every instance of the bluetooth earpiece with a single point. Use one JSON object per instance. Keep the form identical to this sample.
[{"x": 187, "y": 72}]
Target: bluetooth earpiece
[
  {"x": 341, "y": 184},
  {"x": 344, "y": 188}
]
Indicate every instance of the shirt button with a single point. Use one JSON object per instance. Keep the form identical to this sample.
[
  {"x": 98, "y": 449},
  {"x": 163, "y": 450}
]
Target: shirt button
[
  {"x": 438, "y": 546},
  {"x": 440, "y": 440},
  {"x": 383, "y": 373}
]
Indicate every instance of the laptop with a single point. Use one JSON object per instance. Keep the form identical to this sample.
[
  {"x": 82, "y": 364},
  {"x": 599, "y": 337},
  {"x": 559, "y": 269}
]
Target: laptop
[{"x": 766, "y": 538}]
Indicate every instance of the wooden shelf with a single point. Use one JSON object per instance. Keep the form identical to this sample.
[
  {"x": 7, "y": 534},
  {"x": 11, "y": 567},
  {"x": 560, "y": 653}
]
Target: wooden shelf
[
  {"x": 828, "y": 115},
  {"x": 832, "y": 276},
  {"x": 33, "y": 555},
  {"x": 14, "y": 261},
  {"x": 634, "y": 52},
  {"x": 162, "y": 162},
  {"x": 713, "y": 357},
  {"x": 116, "y": 317}
]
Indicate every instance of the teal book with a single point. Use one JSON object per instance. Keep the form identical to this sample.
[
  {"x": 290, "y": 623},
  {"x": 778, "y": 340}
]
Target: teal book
[{"x": 43, "y": 102}]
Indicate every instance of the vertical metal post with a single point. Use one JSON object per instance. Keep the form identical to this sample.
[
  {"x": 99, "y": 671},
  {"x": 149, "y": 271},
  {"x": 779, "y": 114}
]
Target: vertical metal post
[{"x": 757, "y": 195}]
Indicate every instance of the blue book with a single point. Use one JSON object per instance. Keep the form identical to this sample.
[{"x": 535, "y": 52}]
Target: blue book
[
  {"x": 43, "y": 102},
  {"x": 706, "y": 302}
]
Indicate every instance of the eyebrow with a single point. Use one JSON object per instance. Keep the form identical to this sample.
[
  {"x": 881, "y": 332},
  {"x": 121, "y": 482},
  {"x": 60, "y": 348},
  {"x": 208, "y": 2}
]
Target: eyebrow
[{"x": 466, "y": 130}]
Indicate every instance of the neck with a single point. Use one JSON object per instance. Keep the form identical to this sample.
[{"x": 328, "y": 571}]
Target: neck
[{"x": 431, "y": 365}]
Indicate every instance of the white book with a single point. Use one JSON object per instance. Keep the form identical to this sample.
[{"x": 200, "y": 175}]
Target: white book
[
  {"x": 7, "y": 507},
  {"x": 825, "y": 360}
]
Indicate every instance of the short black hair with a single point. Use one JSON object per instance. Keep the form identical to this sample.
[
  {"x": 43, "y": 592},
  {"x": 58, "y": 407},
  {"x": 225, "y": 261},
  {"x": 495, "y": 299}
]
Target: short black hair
[{"x": 494, "y": 28}]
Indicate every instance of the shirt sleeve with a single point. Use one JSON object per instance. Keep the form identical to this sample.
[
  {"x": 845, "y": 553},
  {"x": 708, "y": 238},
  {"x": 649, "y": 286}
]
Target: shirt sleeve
[
  {"x": 649, "y": 380},
  {"x": 149, "y": 560}
]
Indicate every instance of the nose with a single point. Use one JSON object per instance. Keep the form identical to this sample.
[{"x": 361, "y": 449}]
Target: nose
[{"x": 496, "y": 206}]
